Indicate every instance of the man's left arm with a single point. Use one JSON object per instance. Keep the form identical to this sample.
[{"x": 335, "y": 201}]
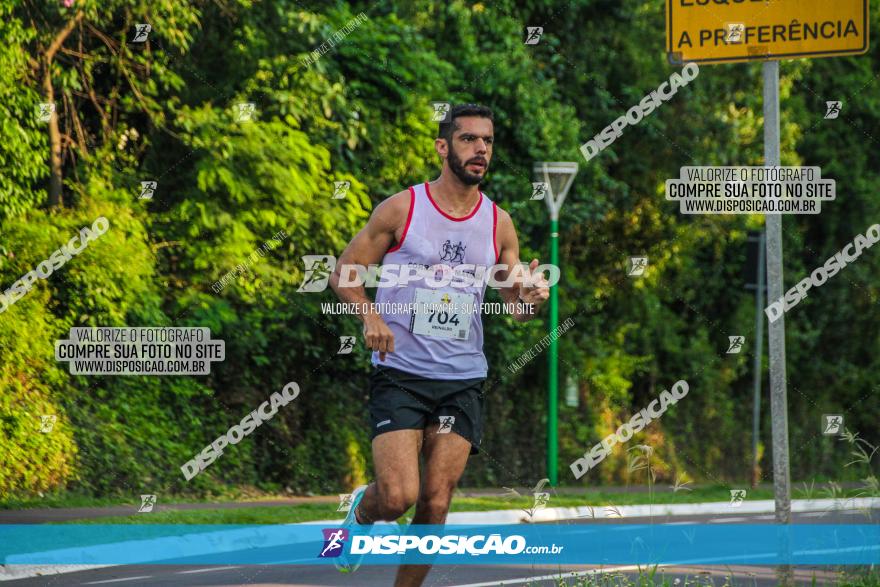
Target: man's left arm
[{"x": 527, "y": 293}]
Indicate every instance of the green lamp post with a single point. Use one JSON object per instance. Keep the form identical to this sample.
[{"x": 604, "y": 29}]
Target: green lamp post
[{"x": 557, "y": 178}]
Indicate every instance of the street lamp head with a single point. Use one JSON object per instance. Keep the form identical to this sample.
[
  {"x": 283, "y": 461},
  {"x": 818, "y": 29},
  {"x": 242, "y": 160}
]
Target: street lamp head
[{"x": 558, "y": 177}]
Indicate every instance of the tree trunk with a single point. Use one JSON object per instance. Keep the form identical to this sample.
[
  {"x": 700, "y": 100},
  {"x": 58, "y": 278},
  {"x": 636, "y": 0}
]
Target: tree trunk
[
  {"x": 55, "y": 176},
  {"x": 55, "y": 172}
]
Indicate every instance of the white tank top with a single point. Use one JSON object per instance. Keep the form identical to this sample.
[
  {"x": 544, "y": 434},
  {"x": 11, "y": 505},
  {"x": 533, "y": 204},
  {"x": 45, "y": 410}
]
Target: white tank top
[{"x": 439, "y": 346}]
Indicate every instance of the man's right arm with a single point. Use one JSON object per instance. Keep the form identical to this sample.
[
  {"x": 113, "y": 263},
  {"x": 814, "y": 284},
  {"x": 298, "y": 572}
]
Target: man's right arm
[{"x": 366, "y": 248}]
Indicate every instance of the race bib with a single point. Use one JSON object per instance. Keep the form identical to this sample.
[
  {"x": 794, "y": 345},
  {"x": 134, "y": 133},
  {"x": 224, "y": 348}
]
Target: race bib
[{"x": 441, "y": 313}]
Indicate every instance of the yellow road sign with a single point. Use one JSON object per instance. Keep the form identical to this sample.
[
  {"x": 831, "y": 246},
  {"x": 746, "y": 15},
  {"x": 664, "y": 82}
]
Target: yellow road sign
[{"x": 723, "y": 31}]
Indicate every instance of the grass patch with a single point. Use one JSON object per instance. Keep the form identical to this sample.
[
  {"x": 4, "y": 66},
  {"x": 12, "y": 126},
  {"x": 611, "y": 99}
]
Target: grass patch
[
  {"x": 309, "y": 512},
  {"x": 76, "y": 500},
  {"x": 245, "y": 515},
  {"x": 563, "y": 496},
  {"x": 866, "y": 578},
  {"x": 66, "y": 500}
]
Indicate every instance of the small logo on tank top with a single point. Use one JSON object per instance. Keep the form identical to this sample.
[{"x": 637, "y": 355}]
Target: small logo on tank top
[{"x": 452, "y": 253}]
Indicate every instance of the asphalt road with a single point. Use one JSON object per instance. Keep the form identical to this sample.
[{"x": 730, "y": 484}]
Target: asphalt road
[{"x": 467, "y": 575}]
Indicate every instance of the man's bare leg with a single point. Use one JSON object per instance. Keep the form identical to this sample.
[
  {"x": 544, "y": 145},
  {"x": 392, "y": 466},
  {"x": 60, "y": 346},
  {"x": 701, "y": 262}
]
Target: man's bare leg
[
  {"x": 396, "y": 462},
  {"x": 445, "y": 458}
]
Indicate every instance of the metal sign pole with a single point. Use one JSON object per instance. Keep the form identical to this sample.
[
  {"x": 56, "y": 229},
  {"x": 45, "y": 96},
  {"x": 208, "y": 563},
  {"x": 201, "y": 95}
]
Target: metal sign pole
[
  {"x": 760, "y": 303},
  {"x": 776, "y": 330}
]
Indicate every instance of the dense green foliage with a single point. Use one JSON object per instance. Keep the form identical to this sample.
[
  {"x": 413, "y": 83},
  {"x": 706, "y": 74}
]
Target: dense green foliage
[{"x": 166, "y": 110}]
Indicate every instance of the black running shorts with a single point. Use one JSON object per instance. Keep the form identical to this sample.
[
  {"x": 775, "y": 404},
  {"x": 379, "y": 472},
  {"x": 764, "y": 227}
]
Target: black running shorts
[{"x": 403, "y": 401}]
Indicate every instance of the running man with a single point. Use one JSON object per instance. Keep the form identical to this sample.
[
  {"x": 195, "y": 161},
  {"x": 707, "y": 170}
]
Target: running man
[{"x": 430, "y": 366}]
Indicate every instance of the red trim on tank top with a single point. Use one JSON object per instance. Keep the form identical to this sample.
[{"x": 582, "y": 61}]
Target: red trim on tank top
[
  {"x": 412, "y": 205},
  {"x": 474, "y": 211},
  {"x": 494, "y": 231}
]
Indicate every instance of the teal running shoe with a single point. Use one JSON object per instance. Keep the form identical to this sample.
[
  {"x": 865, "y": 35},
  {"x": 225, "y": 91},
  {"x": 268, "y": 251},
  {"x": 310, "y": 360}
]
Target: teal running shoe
[{"x": 344, "y": 563}]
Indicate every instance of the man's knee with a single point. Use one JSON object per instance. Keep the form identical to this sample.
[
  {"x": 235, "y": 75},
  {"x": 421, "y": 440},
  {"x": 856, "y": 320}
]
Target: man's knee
[
  {"x": 396, "y": 499},
  {"x": 436, "y": 500}
]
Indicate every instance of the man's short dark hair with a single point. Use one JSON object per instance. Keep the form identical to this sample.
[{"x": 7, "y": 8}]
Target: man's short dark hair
[{"x": 446, "y": 129}]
